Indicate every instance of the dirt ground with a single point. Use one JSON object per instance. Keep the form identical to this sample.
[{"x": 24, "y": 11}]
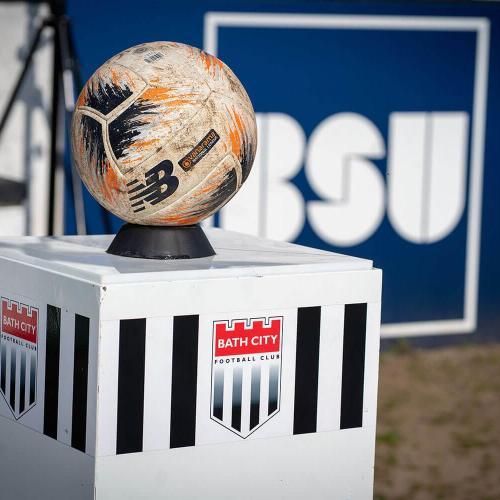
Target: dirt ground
[{"x": 438, "y": 434}]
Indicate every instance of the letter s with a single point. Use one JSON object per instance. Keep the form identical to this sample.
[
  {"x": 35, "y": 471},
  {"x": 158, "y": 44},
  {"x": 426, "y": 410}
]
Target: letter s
[{"x": 351, "y": 186}]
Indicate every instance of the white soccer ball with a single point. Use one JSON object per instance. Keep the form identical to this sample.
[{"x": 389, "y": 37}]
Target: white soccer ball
[{"x": 163, "y": 134}]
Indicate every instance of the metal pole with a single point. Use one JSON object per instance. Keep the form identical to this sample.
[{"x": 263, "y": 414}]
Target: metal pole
[
  {"x": 56, "y": 182},
  {"x": 68, "y": 63}
]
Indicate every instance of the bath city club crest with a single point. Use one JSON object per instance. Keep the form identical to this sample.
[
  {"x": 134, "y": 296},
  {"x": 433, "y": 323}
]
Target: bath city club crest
[
  {"x": 18, "y": 355},
  {"x": 246, "y": 373}
]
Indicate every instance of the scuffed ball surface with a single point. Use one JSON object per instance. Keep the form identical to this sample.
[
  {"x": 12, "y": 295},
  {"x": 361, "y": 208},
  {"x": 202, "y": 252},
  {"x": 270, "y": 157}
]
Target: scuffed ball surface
[{"x": 163, "y": 134}]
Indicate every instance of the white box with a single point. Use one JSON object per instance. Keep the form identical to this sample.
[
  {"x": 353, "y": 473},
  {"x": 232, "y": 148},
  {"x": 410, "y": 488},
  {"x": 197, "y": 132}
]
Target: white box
[{"x": 251, "y": 374}]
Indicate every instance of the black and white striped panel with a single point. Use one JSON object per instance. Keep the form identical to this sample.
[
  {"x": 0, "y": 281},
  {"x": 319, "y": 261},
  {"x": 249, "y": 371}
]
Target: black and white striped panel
[
  {"x": 155, "y": 387},
  {"x": 69, "y": 387},
  {"x": 317, "y": 374},
  {"x": 154, "y": 410}
]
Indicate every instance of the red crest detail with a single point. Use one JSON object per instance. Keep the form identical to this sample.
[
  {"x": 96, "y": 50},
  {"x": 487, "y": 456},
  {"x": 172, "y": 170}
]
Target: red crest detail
[
  {"x": 19, "y": 320},
  {"x": 244, "y": 337}
]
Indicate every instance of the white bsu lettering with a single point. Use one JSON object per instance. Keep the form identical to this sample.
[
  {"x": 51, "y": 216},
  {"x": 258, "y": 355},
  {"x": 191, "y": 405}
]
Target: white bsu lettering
[{"x": 425, "y": 189}]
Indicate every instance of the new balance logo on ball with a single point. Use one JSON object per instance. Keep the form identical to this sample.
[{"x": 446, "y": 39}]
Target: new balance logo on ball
[{"x": 160, "y": 184}]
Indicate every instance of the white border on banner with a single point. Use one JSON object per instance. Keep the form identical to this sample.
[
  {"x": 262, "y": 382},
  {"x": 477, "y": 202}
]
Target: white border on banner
[{"x": 481, "y": 25}]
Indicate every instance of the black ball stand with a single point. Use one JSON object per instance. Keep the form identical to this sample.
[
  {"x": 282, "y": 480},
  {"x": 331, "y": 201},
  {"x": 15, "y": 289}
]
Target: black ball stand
[{"x": 161, "y": 242}]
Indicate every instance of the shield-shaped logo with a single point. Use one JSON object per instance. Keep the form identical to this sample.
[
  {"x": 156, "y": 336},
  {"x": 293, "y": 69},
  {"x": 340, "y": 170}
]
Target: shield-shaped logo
[
  {"x": 18, "y": 355},
  {"x": 246, "y": 372}
]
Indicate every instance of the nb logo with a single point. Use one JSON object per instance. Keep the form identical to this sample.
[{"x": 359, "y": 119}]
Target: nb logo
[{"x": 160, "y": 184}]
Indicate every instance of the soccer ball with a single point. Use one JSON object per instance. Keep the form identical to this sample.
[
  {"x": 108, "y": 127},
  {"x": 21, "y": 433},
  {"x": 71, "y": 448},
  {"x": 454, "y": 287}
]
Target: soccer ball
[{"x": 163, "y": 134}]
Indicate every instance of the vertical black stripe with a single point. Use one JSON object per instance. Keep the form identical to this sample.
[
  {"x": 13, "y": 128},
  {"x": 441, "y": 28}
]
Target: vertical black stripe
[
  {"x": 236, "y": 406},
  {"x": 306, "y": 370},
  {"x": 184, "y": 381},
  {"x": 218, "y": 393},
  {"x": 13, "y": 365},
  {"x": 353, "y": 366},
  {"x": 52, "y": 371},
  {"x": 3, "y": 367},
  {"x": 32, "y": 378},
  {"x": 131, "y": 361},
  {"x": 274, "y": 380},
  {"x": 255, "y": 397},
  {"x": 22, "y": 382},
  {"x": 80, "y": 380}
]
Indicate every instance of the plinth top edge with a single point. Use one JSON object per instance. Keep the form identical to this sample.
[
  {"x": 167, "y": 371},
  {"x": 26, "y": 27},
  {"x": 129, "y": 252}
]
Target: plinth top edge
[{"x": 237, "y": 255}]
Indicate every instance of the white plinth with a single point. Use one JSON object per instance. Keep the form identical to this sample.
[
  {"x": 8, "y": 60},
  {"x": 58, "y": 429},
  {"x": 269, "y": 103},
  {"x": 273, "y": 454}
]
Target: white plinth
[{"x": 251, "y": 374}]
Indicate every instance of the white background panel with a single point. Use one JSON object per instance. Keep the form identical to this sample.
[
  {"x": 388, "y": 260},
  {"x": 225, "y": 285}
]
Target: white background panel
[
  {"x": 90, "y": 442},
  {"x": 282, "y": 292},
  {"x": 280, "y": 466},
  {"x": 66, "y": 364},
  {"x": 35, "y": 466},
  {"x": 371, "y": 365},
  {"x": 311, "y": 466},
  {"x": 330, "y": 367},
  {"x": 107, "y": 379},
  {"x": 157, "y": 383}
]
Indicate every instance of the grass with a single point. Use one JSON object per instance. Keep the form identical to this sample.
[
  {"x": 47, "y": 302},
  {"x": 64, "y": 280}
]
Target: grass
[{"x": 438, "y": 431}]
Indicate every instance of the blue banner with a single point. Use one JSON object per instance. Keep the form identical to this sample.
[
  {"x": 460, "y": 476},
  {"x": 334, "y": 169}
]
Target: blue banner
[{"x": 376, "y": 137}]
